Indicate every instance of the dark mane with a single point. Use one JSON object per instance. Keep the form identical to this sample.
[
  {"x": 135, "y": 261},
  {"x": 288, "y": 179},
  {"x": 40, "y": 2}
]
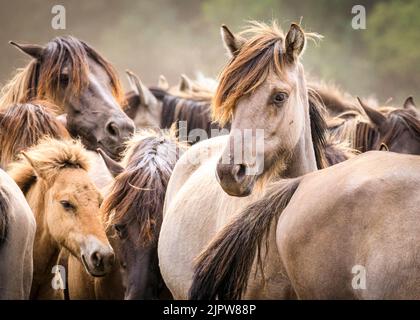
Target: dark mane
[
  {"x": 4, "y": 208},
  {"x": 195, "y": 112},
  {"x": 23, "y": 125},
  {"x": 41, "y": 79},
  {"x": 223, "y": 268},
  {"x": 318, "y": 128},
  {"x": 138, "y": 194},
  {"x": 366, "y": 137}
]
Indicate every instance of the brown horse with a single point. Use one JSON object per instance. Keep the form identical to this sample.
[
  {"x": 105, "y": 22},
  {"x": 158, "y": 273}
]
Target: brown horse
[
  {"x": 262, "y": 87},
  {"x": 23, "y": 125},
  {"x": 72, "y": 75},
  {"x": 133, "y": 211},
  {"x": 396, "y": 130},
  {"x": 379, "y": 128},
  {"x": 53, "y": 176},
  {"x": 17, "y": 233}
]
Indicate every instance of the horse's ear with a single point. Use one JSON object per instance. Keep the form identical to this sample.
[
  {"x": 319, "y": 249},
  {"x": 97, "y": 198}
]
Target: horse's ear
[
  {"x": 113, "y": 166},
  {"x": 233, "y": 43},
  {"x": 33, "y": 165},
  {"x": 163, "y": 83},
  {"x": 185, "y": 84},
  {"x": 145, "y": 95},
  {"x": 33, "y": 50},
  {"x": 294, "y": 43},
  {"x": 409, "y": 104},
  {"x": 383, "y": 147},
  {"x": 375, "y": 116}
]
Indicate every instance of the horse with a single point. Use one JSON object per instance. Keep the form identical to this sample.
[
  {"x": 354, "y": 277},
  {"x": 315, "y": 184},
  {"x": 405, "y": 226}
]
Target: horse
[
  {"x": 157, "y": 108},
  {"x": 396, "y": 129},
  {"x": 379, "y": 128},
  {"x": 65, "y": 203},
  {"x": 73, "y": 76},
  {"x": 17, "y": 233},
  {"x": 23, "y": 125},
  {"x": 355, "y": 218},
  {"x": 133, "y": 210},
  {"x": 132, "y": 214},
  {"x": 262, "y": 87}
]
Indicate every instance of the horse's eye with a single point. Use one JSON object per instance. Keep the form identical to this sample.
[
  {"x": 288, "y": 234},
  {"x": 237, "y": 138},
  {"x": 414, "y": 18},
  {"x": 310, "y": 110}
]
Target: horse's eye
[
  {"x": 120, "y": 229},
  {"x": 67, "y": 205},
  {"x": 279, "y": 98}
]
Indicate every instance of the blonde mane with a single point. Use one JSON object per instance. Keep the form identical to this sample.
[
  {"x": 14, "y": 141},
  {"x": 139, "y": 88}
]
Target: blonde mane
[{"x": 49, "y": 157}]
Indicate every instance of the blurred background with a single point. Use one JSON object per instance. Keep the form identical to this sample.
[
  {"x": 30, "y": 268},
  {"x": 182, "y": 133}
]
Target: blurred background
[{"x": 171, "y": 37}]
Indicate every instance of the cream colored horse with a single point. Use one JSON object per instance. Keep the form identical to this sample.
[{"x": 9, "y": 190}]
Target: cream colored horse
[{"x": 271, "y": 95}]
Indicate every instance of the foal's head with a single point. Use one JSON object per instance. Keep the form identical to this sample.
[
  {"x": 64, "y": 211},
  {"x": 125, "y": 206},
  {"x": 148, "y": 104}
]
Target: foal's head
[{"x": 262, "y": 87}]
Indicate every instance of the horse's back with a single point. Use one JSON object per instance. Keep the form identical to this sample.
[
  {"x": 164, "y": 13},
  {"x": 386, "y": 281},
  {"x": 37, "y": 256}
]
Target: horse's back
[
  {"x": 364, "y": 216},
  {"x": 16, "y": 248}
]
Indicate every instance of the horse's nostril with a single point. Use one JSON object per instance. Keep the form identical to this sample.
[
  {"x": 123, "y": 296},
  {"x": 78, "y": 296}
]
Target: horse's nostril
[
  {"x": 239, "y": 172},
  {"x": 112, "y": 129},
  {"x": 96, "y": 259}
]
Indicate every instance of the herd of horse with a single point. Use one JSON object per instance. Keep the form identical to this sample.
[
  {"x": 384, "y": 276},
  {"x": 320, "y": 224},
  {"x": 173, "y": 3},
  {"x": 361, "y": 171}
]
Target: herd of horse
[{"x": 100, "y": 182}]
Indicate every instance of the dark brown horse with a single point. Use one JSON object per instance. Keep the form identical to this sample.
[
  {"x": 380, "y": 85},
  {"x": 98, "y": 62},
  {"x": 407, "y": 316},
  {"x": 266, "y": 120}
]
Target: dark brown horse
[
  {"x": 397, "y": 130},
  {"x": 133, "y": 211},
  {"x": 23, "y": 125},
  {"x": 72, "y": 75}
]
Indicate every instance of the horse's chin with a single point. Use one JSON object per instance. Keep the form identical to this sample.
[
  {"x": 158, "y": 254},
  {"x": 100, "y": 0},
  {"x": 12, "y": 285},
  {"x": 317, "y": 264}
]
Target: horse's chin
[
  {"x": 239, "y": 190},
  {"x": 89, "y": 270}
]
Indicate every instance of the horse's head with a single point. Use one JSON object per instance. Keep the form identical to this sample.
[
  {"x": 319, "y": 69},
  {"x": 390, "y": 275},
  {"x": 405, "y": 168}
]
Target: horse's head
[
  {"x": 143, "y": 107},
  {"x": 74, "y": 76},
  {"x": 263, "y": 92},
  {"x": 71, "y": 203},
  {"x": 397, "y": 130}
]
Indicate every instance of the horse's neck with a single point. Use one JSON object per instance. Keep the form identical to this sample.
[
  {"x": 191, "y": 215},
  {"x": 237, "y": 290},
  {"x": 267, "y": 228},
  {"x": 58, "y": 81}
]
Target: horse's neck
[
  {"x": 303, "y": 159},
  {"x": 45, "y": 248}
]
